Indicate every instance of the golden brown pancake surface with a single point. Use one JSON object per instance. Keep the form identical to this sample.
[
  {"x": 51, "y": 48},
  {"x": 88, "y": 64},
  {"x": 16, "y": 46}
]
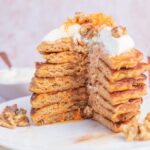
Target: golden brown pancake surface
[
  {"x": 38, "y": 114},
  {"x": 121, "y": 96},
  {"x": 46, "y": 85},
  {"x": 115, "y": 75},
  {"x": 66, "y": 116},
  {"x": 65, "y": 57},
  {"x": 59, "y": 45},
  {"x": 59, "y": 70},
  {"x": 115, "y": 127},
  {"x": 45, "y": 99}
]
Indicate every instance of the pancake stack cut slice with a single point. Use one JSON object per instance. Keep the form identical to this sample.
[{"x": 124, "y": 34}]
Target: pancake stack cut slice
[
  {"x": 116, "y": 86},
  {"x": 90, "y": 70},
  {"x": 59, "y": 84}
]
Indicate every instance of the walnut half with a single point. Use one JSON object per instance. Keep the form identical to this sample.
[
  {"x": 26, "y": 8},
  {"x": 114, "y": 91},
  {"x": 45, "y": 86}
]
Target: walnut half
[
  {"x": 88, "y": 31},
  {"x": 118, "y": 31}
]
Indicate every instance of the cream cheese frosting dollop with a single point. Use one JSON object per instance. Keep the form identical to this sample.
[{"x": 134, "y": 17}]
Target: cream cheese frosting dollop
[
  {"x": 62, "y": 32},
  {"x": 74, "y": 32},
  {"x": 114, "y": 46},
  {"x": 55, "y": 34}
]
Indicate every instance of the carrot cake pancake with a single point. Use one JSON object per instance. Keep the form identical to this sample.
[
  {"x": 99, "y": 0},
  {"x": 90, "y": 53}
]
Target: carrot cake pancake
[
  {"x": 58, "y": 70},
  {"x": 45, "y": 99},
  {"x": 121, "y": 85},
  {"x": 46, "y": 85},
  {"x": 129, "y": 106},
  {"x": 54, "y": 109},
  {"x": 115, "y": 127},
  {"x": 120, "y": 96},
  {"x": 115, "y": 75},
  {"x": 65, "y": 57},
  {"x": 60, "y": 45},
  {"x": 66, "y": 116}
]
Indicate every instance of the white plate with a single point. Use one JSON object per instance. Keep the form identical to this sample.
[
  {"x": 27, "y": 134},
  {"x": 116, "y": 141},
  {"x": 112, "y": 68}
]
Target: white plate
[{"x": 74, "y": 135}]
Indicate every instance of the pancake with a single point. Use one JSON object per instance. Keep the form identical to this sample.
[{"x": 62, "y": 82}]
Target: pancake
[
  {"x": 115, "y": 98},
  {"x": 65, "y": 57},
  {"x": 128, "y": 59},
  {"x": 38, "y": 114},
  {"x": 115, "y": 127},
  {"x": 114, "y": 116},
  {"x": 129, "y": 106},
  {"x": 59, "y": 70},
  {"x": 71, "y": 115},
  {"x": 121, "y": 85},
  {"x": 41, "y": 100},
  {"x": 61, "y": 45},
  {"x": 46, "y": 85},
  {"x": 115, "y": 75}
]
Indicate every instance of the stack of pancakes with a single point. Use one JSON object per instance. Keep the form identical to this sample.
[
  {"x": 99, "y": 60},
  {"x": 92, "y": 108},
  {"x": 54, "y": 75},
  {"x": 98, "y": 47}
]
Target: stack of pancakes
[
  {"x": 59, "y": 91},
  {"x": 80, "y": 70},
  {"x": 116, "y": 86}
]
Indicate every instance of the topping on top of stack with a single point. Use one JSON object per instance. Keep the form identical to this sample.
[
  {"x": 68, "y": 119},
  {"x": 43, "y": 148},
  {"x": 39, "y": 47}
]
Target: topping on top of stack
[{"x": 94, "y": 28}]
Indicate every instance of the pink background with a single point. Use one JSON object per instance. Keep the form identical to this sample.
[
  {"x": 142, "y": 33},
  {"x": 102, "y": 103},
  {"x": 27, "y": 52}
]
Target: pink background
[{"x": 23, "y": 23}]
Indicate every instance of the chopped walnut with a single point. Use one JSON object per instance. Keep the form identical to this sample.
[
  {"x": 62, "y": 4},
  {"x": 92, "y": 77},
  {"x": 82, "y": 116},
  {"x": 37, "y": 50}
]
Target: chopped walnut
[
  {"x": 118, "y": 31},
  {"x": 84, "y": 29},
  {"x": 11, "y": 117},
  {"x": 5, "y": 122},
  {"x": 147, "y": 122},
  {"x": 143, "y": 134},
  {"x": 88, "y": 112},
  {"x": 130, "y": 132},
  {"x": 88, "y": 31},
  {"x": 138, "y": 131}
]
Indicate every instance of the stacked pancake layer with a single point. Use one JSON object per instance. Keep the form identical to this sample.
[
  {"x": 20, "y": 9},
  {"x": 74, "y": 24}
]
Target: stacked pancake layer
[
  {"x": 116, "y": 86},
  {"x": 59, "y": 91}
]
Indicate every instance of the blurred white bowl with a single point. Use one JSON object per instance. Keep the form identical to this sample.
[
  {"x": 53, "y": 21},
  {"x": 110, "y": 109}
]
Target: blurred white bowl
[{"x": 14, "y": 83}]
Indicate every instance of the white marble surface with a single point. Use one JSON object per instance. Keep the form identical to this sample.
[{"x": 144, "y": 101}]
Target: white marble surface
[{"x": 23, "y": 23}]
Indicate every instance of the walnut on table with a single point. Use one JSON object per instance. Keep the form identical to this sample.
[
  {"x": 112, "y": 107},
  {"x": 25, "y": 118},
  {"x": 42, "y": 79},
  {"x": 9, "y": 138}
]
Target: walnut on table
[
  {"x": 13, "y": 117},
  {"x": 138, "y": 131}
]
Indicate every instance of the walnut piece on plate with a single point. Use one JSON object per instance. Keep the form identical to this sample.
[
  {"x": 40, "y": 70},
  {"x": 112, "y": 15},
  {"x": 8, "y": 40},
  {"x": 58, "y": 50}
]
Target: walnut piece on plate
[
  {"x": 12, "y": 117},
  {"x": 138, "y": 131}
]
